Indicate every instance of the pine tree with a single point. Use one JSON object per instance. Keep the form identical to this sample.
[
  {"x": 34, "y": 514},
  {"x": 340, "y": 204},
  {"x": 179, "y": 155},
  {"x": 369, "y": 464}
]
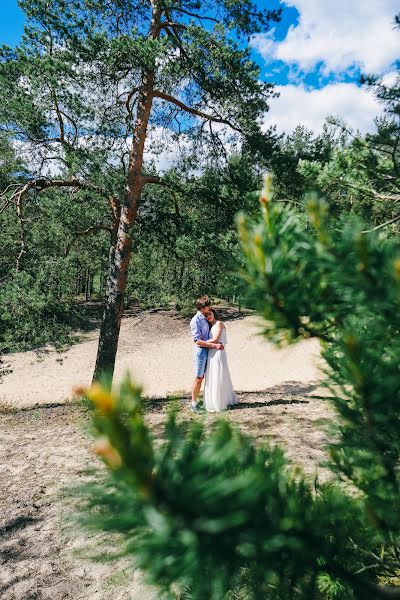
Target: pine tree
[{"x": 92, "y": 78}]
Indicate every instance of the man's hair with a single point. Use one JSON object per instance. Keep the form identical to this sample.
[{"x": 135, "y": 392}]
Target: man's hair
[{"x": 202, "y": 302}]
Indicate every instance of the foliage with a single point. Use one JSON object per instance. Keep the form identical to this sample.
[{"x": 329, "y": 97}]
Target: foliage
[
  {"x": 362, "y": 176},
  {"x": 356, "y": 174},
  {"x": 291, "y": 152},
  {"x": 344, "y": 289},
  {"x": 39, "y": 301},
  {"x": 83, "y": 50},
  {"x": 29, "y": 315},
  {"x": 186, "y": 241}
]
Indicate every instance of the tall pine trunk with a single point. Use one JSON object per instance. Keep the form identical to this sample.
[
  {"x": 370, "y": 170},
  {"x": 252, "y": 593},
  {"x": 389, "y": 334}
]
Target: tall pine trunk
[{"x": 120, "y": 253}]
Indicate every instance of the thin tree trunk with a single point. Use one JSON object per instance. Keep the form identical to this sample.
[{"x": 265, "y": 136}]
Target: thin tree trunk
[
  {"x": 181, "y": 272},
  {"x": 87, "y": 285},
  {"x": 100, "y": 291},
  {"x": 120, "y": 254},
  {"x": 20, "y": 215}
]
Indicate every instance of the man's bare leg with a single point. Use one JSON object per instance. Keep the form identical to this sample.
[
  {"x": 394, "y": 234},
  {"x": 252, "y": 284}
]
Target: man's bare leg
[{"x": 196, "y": 389}]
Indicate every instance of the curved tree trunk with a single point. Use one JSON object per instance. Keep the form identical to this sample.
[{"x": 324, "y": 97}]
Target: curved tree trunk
[
  {"x": 113, "y": 306},
  {"x": 120, "y": 253}
]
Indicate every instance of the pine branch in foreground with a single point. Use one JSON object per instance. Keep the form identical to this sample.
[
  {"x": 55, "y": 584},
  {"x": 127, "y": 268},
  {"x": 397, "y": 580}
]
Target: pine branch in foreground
[
  {"x": 344, "y": 289},
  {"x": 214, "y": 515}
]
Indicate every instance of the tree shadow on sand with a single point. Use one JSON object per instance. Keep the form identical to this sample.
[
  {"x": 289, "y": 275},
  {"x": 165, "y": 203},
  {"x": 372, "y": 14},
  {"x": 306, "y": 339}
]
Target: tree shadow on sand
[
  {"x": 258, "y": 404},
  {"x": 291, "y": 387},
  {"x": 18, "y": 523},
  {"x": 232, "y": 313},
  {"x": 12, "y": 550},
  {"x": 225, "y": 313},
  {"x": 290, "y": 392}
]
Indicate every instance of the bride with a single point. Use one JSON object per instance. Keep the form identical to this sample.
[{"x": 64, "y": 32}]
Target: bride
[{"x": 218, "y": 390}]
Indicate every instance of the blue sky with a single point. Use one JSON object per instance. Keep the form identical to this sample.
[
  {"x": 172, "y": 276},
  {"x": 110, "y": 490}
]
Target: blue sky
[
  {"x": 315, "y": 55},
  {"x": 11, "y": 22}
]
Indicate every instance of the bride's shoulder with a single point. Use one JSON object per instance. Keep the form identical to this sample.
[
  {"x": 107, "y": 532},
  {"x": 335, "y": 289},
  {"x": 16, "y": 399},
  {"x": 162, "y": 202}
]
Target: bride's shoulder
[{"x": 221, "y": 324}]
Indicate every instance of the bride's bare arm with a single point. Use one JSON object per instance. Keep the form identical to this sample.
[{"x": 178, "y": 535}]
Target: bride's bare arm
[
  {"x": 208, "y": 344},
  {"x": 213, "y": 342},
  {"x": 218, "y": 330}
]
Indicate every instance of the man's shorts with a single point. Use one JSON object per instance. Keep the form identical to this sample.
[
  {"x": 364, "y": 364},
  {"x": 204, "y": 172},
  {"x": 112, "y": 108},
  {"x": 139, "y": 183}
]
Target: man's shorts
[{"x": 200, "y": 360}]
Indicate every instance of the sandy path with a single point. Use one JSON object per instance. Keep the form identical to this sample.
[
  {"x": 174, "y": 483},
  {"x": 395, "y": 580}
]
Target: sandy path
[
  {"x": 44, "y": 453},
  {"x": 157, "y": 349}
]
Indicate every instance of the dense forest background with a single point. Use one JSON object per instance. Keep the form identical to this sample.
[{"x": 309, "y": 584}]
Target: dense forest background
[{"x": 186, "y": 241}]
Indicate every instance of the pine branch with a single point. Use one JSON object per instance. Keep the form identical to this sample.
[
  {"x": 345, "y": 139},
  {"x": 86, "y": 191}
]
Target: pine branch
[
  {"x": 201, "y": 18},
  {"x": 155, "y": 180},
  {"x": 86, "y": 232},
  {"x": 41, "y": 184},
  {"x": 369, "y": 191},
  {"x": 167, "y": 24},
  {"x": 59, "y": 115},
  {"x": 367, "y": 589},
  {"x": 194, "y": 111},
  {"x": 382, "y": 225}
]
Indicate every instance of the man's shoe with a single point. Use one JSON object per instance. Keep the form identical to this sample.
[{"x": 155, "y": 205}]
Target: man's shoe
[{"x": 196, "y": 409}]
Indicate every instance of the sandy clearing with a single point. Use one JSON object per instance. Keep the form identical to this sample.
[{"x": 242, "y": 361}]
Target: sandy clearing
[
  {"x": 41, "y": 558},
  {"x": 157, "y": 349}
]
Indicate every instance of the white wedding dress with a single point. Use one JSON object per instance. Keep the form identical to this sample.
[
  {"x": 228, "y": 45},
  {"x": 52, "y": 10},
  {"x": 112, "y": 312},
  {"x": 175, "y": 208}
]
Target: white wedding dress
[{"x": 218, "y": 390}]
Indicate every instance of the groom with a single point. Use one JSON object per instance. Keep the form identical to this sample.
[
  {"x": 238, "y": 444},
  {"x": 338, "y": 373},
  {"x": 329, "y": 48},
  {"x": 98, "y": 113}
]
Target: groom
[{"x": 201, "y": 334}]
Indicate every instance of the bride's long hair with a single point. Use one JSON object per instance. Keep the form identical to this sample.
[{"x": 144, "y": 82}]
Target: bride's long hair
[{"x": 214, "y": 312}]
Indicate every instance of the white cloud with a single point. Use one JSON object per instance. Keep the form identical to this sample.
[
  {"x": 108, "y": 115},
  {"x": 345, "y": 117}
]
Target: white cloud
[
  {"x": 162, "y": 148},
  {"x": 390, "y": 78},
  {"x": 340, "y": 34},
  {"x": 298, "y": 105}
]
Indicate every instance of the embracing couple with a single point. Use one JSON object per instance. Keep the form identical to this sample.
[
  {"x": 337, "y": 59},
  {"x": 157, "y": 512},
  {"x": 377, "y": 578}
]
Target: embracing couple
[{"x": 211, "y": 363}]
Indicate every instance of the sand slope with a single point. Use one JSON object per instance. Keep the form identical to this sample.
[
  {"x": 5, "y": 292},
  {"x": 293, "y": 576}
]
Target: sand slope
[{"x": 157, "y": 349}]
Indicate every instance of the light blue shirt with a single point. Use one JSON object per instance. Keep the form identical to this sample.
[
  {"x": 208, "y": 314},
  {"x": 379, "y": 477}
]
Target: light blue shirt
[{"x": 199, "y": 327}]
